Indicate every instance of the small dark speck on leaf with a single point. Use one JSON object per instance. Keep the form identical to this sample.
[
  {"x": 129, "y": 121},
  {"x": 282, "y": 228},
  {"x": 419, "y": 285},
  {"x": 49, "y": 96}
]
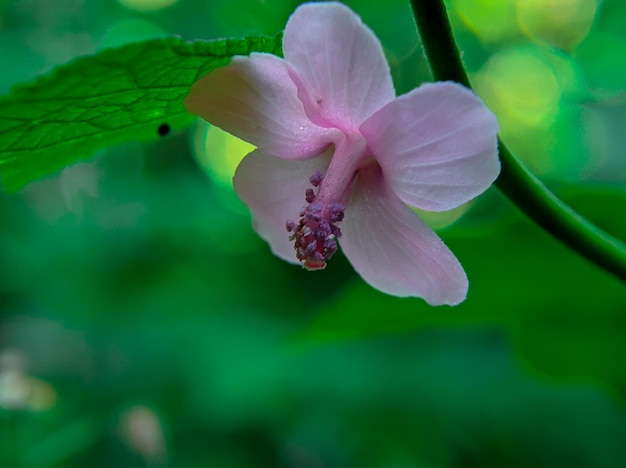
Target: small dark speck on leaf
[{"x": 164, "y": 129}]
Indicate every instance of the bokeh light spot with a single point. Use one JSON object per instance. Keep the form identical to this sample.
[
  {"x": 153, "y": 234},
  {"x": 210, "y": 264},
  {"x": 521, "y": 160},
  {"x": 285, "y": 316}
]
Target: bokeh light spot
[
  {"x": 219, "y": 153},
  {"x": 489, "y": 20},
  {"x": 520, "y": 88},
  {"x": 526, "y": 87},
  {"x": 562, "y": 23},
  {"x": 442, "y": 219}
]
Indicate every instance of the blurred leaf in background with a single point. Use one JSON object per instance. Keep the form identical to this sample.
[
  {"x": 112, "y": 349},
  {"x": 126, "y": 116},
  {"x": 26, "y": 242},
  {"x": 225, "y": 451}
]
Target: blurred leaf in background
[{"x": 135, "y": 291}]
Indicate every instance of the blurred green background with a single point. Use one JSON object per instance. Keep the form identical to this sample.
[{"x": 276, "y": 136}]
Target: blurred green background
[{"x": 144, "y": 323}]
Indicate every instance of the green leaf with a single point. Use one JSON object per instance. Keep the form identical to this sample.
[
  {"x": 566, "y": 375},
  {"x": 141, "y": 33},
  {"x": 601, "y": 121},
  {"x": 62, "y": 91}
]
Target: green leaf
[{"x": 117, "y": 95}]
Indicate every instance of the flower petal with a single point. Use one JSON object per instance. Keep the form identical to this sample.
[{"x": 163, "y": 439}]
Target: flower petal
[
  {"x": 255, "y": 99},
  {"x": 339, "y": 63},
  {"x": 437, "y": 145},
  {"x": 274, "y": 189},
  {"x": 393, "y": 250}
]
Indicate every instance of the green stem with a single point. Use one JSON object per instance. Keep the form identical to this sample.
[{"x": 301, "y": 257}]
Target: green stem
[{"x": 520, "y": 185}]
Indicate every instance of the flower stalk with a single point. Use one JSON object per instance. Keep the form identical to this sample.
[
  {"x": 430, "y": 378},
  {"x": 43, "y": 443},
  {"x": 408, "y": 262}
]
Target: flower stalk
[{"x": 516, "y": 181}]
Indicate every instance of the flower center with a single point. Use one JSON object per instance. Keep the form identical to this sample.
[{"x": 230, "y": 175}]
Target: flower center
[{"x": 315, "y": 235}]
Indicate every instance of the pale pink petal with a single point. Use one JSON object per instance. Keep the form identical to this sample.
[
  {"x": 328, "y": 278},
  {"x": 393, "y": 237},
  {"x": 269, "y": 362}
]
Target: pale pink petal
[
  {"x": 273, "y": 189},
  {"x": 393, "y": 250},
  {"x": 255, "y": 99},
  {"x": 339, "y": 65},
  {"x": 436, "y": 145}
]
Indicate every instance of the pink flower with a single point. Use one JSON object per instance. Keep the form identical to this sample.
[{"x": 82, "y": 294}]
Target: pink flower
[{"x": 339, "y": 156}]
